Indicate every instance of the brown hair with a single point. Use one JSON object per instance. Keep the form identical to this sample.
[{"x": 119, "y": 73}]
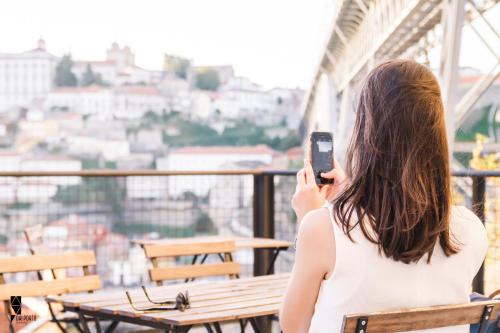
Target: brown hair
[{"x": 398, "y": 164}]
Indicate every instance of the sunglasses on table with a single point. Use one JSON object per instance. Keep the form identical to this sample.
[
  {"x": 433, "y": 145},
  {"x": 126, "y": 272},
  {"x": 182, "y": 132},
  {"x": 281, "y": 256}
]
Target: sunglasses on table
[{"x": 180, "y": 303}]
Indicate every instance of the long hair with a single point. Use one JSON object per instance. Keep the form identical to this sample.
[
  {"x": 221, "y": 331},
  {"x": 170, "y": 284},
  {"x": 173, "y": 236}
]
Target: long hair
[{"x": 398, "y": 164}]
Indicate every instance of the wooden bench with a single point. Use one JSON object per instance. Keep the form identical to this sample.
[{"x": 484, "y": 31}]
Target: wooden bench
[
  {"x": 156, "y": 252},
  {"x": 38, "y": 263},
  {"x": 422, "y": 318}
]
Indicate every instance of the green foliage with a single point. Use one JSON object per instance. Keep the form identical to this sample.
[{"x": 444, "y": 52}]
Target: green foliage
[
  {"x": 208, "y": 80},
  {"x": 480, "y": 127},
  {"x": 182, "y": 67},
  {"x": 3, "y": 239},
  {"x": 463, "y": 158},
  {"x": 165, "y": 231},
  {"x": 92, "y": 190},
  {"x": 64, "y": 75},
  {"x": 204, "y": 224},
  {"x": 241, "y": 133},
  {"x": 110, "y": 165},
  {"x": 90, "y": 78},
  {"x": 20, "y": 205},
  {"x": 90, "y": 163},
  {"x": 191, "y": 134}
]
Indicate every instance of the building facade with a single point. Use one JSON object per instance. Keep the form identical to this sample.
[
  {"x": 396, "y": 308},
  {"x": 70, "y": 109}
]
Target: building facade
[{"x": 26, "y": 77}]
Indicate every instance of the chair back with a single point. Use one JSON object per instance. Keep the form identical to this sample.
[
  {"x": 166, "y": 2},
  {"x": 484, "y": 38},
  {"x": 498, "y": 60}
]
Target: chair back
[
  {"x": 36, "y": 245},
  {"x": 157, "y": 251},
  {"x": 422, "y": 318},
  {"x": 34, "y": 237},
  {"x": 36, "y": 263}
]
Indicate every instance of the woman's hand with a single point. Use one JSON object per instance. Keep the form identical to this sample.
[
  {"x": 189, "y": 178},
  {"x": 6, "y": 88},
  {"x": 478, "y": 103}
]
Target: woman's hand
[
  {"x": 309, "y": 196},
  {"x": 337, "y": 174}
]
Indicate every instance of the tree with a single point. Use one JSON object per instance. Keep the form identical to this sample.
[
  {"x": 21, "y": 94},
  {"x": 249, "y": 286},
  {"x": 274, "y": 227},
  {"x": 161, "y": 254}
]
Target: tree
[
  {"x": 90, "y": 78},
  {"x": 64, "y": 75},
  {"x": 208, "y": 80},
  {"x": 181, "y": 68},
  {"x": 204, "y": 224}
]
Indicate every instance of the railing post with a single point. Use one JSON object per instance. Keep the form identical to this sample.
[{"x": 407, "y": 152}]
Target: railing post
[
  {"x": 478, "y": 199},
  {"x": 263, "y": 226}
]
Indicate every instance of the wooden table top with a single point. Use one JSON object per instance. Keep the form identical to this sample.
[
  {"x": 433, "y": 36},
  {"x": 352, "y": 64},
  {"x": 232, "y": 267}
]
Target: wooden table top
[
  {"x": 240, "y": 242},
  {"x": 211, "y": 301}
]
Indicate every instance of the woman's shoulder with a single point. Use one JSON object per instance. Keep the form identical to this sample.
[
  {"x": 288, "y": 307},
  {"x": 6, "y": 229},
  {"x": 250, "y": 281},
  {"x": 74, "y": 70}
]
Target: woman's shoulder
[
  {"x": 316, "y": 225},
  {"x": 468, "y": 228},
  {"x": 464, "y": 216}
]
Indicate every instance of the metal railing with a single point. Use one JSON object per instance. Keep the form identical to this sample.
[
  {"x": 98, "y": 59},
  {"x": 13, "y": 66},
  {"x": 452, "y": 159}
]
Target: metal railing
[{"x": 104, "y": 209}]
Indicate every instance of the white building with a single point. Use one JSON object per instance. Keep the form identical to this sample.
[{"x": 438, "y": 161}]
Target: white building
[
  {"x": 132, "y": 102},
  {"x": 10, "y": 161},
  {"x": 176, "y": 91},
  {"x": 208, "y": 159},
  {"x": 119, "y": 68},
  {"x": 237, "y": 98},
  {"x": 91, "y": 100},
  {"x": 53, "y": 163},
  {"x": 26, "y": 77},
  {"x": 125, "y": 102},
  {"x": 110, "y": 150}
]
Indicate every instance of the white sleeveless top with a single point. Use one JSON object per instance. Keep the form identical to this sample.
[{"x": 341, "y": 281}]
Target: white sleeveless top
[{"x": 365, "y": 281}]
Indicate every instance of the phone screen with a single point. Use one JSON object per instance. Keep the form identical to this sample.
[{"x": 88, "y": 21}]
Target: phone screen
[{"x": 321, "y": 155}]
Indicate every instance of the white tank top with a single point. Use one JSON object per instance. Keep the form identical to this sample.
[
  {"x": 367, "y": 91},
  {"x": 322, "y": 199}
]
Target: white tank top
[{"x": 365, "y": 281}]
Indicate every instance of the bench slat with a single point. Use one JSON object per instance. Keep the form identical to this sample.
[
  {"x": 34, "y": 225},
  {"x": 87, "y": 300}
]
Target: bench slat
[
  {"x": 44, "y": 288},
  {"x": 421, "y": 318},
  {"x": 47, "y": 261},
  {"x": 194, "y": 271},
  {"x": 173, "y": 250}
]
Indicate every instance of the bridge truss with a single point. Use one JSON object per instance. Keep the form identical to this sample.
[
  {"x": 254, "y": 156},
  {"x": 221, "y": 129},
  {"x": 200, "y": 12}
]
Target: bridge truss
[{"x": 366, "y": 32}]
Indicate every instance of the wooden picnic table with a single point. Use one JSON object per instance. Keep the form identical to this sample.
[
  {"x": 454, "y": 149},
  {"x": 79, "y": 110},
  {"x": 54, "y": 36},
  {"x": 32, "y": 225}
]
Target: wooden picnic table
[
  {"x": 212, "y": 302},
  {"x": 240, "y": 242},
  {"x": 275, "y": 245}
]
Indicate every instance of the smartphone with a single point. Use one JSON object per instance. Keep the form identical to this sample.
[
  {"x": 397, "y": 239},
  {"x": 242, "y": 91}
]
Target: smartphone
[{"x": 321, "y": 154}]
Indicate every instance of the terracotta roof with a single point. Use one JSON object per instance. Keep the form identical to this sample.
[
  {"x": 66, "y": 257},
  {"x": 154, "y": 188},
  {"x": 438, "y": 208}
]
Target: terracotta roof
[
  {"x": 138, "y": 90},
  {"x": 95, "y": 63},
  {"x": 49, "y": 158},
  {"x": 8, "y": 153},
  {"x": 471, "y": 79},
  {"x": 295, "y": 152},
  {"x": 77, "y": 90},
  {"x": 258, "y": 149}
]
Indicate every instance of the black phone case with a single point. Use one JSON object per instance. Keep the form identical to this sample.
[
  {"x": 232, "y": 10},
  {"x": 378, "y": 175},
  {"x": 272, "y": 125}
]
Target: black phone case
[{"x": 319, "y": 169}]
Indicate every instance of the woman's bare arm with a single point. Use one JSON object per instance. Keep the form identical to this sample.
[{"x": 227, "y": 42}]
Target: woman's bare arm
[{"x": 314, "y": 260}]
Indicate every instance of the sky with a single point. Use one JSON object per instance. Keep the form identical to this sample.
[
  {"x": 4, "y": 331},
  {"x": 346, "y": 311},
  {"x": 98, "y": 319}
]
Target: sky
[
  {"x": 272, "y": 42},
  {"x": 276, "y": 43}
]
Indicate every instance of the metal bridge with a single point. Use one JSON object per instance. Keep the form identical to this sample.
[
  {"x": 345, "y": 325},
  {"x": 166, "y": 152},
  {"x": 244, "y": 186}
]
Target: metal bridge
[{"x": 366, "y": 32}]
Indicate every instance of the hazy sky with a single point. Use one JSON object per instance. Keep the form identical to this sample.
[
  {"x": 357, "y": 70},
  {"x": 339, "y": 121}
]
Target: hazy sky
[{"x": 273, "y": 42}]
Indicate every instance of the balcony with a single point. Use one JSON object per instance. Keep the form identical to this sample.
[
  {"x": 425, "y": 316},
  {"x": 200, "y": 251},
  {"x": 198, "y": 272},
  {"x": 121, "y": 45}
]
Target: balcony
[{"x": 105, "y": 210}]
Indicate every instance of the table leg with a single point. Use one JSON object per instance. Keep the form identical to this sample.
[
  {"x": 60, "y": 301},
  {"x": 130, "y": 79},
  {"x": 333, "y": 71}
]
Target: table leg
[
  {"x": 255, "y": 325},
  {"x": 83, "y": 321},
  {"x": 183, "y": 329},
  {"x": 217, "y": 327},
  {"x": 97, "y": 325},
  {"x": 112, "y": 326},
  {"x": 209, "y": 328},
  {"x": 273, "y": 260},
  {"x": 243, "y": 325}
]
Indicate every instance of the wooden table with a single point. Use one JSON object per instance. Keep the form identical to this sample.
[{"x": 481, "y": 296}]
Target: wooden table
[
  {"x": 212, "y": 302},
  {"x": 275, "y": 245}
]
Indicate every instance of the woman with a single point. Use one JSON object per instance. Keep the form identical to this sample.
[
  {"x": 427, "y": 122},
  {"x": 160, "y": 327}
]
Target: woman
[{"x": 388, "y": 237}]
